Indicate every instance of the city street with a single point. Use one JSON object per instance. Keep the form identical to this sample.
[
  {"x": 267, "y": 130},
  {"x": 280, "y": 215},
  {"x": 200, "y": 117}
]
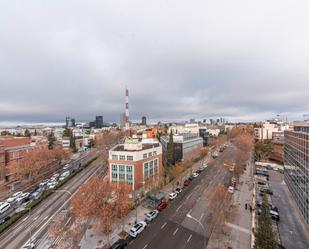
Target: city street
[
  {"x": 36, "y": 223},
  {"x": 173, "y": 229},
  {"x": 294, "y": 233}
]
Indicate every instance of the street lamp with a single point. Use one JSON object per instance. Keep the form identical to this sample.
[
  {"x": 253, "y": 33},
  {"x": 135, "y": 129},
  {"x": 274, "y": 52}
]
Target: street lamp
[
  {"x": 196, "y": 220},
  {"x": 135, "y": 204}
]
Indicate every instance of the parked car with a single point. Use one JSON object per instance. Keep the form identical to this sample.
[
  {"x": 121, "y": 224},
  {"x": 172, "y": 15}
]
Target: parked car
[
  {"x": 273, "y": 208},
  {"x": 186, "y": 183},
  {"x": 36, "y": 195},
  {"x": 119, "y": 244},
  {"x": 231, "y": 189},
  {"x": 195, "y": 174},
  {"x": 178, "y": 190},
  {"x": 161, "y": 205},
  {"x": 137, "y": 229},
  {"x": 190, "y": 178},
  {"x": 5, "y": 206},
  {"x": 172, "y": 196},
  {"x": 152, "y": 215},
  {"x": 4, "y": 219},
  {"x": 14, "y": 197},
  {"x": 261, "y": 183},
  {"x": 64, "y": 175},
  {"x": 274, "y": 215},
  {"x": 29, "y": 245},
  {"x": 266, "y": 190}
]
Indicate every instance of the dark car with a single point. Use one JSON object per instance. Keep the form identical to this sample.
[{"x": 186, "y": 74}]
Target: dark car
[
  {"x": 267, "y": 191},
  {"x": 161, "y": 205},
  {"x": 261, "y": 183},
  {"x": 273, "y": 208},
  {"x": 119, "y": 244},
  {"x": 186, "y": 183},
  {"x": 190, "y": 178}
]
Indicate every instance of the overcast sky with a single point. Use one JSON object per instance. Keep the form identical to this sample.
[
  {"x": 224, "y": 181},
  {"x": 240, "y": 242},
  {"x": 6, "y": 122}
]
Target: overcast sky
[{"x": 180, "y": 59}]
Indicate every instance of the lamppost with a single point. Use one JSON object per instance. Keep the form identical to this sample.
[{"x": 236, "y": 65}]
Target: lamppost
[{"x": 204, "y": 230}]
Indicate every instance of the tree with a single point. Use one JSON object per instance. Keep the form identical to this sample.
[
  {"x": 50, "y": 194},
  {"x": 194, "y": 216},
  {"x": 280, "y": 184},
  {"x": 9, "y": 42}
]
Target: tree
[
  {"x": 5, "y": 133},
  {"x": 67, "y": 132},
  {"x": 170, "y": 150},
  {"x": 51, "y": 140},
  {"x": 265, "y": 237},
  {"x": 27, "y": 133},
  {"x": 73, "y": 144},
  {"x": 123, "y": 201},
  {"x": 97, "y": 194}
]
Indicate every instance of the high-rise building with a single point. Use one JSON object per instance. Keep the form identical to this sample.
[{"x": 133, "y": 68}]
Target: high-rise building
[
  {"x": 144, "y": 120},
  {"x": 69, "y": 122},
  {"x": 296, "y": 165},
  {"x": 98, "y": 122}
]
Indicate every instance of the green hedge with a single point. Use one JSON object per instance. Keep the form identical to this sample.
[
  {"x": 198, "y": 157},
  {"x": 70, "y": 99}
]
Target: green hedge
[{"x": 35, "y": 202}]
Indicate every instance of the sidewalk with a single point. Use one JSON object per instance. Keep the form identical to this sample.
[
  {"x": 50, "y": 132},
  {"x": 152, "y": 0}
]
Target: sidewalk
[
  {"x": 93, "y": 240},
  {"x": 240, "y": 235}
]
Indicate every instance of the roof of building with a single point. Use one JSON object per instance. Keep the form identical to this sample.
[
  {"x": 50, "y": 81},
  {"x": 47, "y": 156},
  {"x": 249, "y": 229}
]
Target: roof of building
[{"x": 120, "y": 147}]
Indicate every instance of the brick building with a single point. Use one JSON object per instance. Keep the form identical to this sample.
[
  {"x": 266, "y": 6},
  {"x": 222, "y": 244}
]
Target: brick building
[{"x": 135, "y": 162}]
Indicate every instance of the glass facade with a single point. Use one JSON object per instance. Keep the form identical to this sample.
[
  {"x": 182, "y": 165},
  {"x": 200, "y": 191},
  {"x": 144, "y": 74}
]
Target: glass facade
[
  {"x": 296, "y": 167},
  {"x": 151, "y": 169},
  {"x": 122, "y": 173}
]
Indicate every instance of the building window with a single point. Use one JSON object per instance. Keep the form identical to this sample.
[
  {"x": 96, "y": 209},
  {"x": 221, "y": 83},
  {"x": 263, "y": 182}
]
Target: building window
[
  {"x": 114, "y": 167},
  {"x": 145, "y": 156},
  {"x": 155, "y": 162},
  {"x": 150, "y": 154},
  {"x": 130, "y": 158},
  {"x": 115, "y": 157},
  {"x": 129, "y": 168},
  {"x": 121, "y": 176},
  {"x": 154, "y": 153},
  {"x": 122, "y": 157},
  {"x": 145, "y": 170},
  {"x": 151, "y": 168},
  {"x": 121, "y": 168}
]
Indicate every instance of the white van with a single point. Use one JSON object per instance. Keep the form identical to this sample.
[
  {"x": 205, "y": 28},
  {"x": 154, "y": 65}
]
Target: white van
[{"x": 4, "y": 207}]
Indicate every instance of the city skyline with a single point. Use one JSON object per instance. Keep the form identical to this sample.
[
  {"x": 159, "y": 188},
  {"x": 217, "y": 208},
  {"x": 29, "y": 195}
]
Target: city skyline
[{"x": 241, "y": 62}]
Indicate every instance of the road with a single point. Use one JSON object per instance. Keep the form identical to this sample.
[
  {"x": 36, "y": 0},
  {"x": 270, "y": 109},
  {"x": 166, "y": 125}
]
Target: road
[
  {"x": 172, "y": 229},
  {"x": 37, "y": 221},
  {"x": 294, "y": 233}
]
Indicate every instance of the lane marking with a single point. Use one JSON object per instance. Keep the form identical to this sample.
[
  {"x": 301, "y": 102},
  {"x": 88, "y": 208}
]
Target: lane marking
[
  {"x": 36, "y": 217},
  {"x": 46, "y": 217},
  {"x": 239, "y": 228},
  {"x": 179, "y": 208},
  {"x": 190, "y": 211},
  {"x": 25, "y": 219},
  {"x": 163, "y": 225},
  {"x": 202, "y": 215},
  {"x": 189, "y": 196},
  {"x": 188, "y": 240},
  {"x": 175, "y": 231},
  {"x": 145, "y": 246},
  {"x": 131, "y": 242}
]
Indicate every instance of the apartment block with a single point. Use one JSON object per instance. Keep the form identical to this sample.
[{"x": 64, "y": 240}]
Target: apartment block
[{"x": 135, "y": 162}]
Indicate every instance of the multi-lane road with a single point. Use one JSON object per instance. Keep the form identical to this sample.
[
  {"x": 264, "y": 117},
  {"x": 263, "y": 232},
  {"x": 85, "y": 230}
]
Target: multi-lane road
[
  {"x": 35, "y": 224},
  {"x": 172, "y": 228}
]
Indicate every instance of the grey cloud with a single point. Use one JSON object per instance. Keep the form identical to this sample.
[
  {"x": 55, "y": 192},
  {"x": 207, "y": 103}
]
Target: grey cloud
[{"x": 234, "y": 59}]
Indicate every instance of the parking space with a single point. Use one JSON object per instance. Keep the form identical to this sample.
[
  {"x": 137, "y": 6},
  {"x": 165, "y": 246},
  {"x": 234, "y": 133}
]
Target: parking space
[{"x": 294, "y": 233}]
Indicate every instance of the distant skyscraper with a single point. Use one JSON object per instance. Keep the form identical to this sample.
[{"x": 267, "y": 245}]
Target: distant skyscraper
[
  {"x": 69, "y": 122},
  {"x": 144, "y": 120},
  {"x": 98, "y": 122},
  {"x": 127, "y": 109}
]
